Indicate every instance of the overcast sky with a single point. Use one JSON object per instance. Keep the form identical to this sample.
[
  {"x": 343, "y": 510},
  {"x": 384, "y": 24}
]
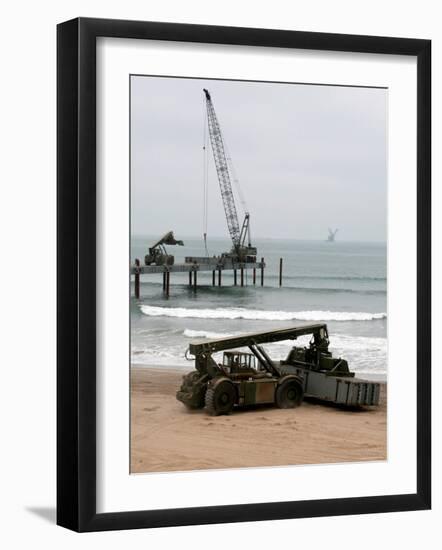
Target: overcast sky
[{"x": 307, "y": 158}]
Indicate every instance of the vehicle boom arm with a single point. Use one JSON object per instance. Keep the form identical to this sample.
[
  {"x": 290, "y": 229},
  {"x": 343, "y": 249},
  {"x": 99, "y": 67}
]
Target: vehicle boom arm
[{"x": 253, "y": 339}]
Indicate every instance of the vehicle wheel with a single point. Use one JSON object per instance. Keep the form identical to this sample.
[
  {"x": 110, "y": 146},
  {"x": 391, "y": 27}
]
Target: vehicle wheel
[
  {"x": 192, "y": 377},
  {"x": 289, "y": 394},
  {"x": 220, "y": 399},
  {"x": 189, "y": 382}
]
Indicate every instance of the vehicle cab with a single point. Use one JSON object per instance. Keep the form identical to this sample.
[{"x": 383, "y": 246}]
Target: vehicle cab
[{"x": 235, "y": 361}]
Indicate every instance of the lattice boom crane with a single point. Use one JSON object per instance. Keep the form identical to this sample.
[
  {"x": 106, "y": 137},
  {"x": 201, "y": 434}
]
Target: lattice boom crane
[{"x": 237, "y": 234}]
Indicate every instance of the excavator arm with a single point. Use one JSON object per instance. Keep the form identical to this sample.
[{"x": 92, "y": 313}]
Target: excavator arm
[{"x": 168, "y": 238}]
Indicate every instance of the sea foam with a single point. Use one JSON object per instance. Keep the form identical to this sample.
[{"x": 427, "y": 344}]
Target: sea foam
[
  {"x": 259, "y": 315},
  {"x": 190, "y": 333},
  {"x": 364, "y": 354}
]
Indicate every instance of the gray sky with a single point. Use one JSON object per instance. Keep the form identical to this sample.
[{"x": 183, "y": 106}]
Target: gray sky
[{"x": 307, "y": 158}]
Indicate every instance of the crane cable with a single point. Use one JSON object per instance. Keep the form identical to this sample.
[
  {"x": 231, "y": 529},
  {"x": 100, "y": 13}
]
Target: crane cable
[{"x": 205, "y": 177}]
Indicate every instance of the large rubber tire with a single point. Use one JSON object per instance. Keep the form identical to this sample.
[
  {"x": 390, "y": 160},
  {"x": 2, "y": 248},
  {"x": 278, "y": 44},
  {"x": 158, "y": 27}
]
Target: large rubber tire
[
  {"x": 191, "y": 378},
  {"x": 189, "y": 381},
  {"x": 221, "y": 398},
  {"x": 289, "y": 394}
]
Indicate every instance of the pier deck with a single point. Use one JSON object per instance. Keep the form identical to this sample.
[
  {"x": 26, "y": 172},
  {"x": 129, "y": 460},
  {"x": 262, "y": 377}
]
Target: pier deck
[
  {"x": 190, "y": 267},
  {"x": 215, "y": 265}
]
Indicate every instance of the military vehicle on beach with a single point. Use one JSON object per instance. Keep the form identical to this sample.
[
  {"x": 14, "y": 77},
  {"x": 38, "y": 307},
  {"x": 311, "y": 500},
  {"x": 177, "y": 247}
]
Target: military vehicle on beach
[{"x": 251, "y": 377}]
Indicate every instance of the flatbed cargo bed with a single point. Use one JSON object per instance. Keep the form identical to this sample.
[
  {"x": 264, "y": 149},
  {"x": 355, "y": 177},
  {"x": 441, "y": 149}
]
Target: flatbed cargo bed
[{"x": 342, "y": 390}]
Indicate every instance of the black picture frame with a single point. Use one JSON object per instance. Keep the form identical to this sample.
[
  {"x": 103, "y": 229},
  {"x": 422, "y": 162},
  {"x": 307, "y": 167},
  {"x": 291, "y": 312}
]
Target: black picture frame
[{"x": 76, "y": 273}]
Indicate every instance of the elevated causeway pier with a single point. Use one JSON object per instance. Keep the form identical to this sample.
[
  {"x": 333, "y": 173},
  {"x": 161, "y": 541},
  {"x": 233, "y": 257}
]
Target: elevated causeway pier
[{"x": 193, "y": 266}]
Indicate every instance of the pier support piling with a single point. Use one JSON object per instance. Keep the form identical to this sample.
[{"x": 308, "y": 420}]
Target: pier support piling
[
  {"x": 280, "y": 271},
  {"x": 167, "y": 283},
  {"x": 137, "y": 279},
  {"x": 191, "y": 266}
]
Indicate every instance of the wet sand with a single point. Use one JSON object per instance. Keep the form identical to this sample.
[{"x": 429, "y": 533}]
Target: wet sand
[{"x": 165, "y": 436}]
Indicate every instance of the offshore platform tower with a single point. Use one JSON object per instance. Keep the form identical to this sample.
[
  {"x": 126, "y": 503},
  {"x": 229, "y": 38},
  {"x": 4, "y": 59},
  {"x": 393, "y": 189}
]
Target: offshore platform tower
[
  {"x": 242, "y": 249},
  {"x": 331, "y": 235}
]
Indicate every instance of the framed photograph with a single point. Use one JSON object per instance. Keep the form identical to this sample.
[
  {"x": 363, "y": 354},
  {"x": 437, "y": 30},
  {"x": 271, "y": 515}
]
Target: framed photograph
[{"x": 243, "y": 274}]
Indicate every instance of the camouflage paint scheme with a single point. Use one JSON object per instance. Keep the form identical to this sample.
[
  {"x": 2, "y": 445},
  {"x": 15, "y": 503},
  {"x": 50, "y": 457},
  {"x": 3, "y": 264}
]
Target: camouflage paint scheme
[{"x": 251, "y": 378}]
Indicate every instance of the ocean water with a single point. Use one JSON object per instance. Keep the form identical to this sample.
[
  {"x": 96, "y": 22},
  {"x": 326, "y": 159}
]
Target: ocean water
[{"x": 342, "y": 283}]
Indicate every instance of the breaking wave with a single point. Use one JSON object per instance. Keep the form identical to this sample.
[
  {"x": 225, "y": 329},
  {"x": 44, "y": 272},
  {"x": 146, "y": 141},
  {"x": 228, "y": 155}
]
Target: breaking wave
[
  {"x": 365, "y": 355},
  {"x": 189, "y": 333},
  {"x": 354, "y": 343},
  {"x": 259, "y": 315}
]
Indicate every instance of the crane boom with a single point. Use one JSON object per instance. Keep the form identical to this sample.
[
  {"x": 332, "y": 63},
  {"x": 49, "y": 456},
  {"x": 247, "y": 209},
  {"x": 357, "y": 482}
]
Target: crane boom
[{"x": 222, "y": 170}]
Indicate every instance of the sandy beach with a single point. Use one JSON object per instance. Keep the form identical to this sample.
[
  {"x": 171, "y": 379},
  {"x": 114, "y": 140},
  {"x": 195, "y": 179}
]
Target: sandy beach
[{"x": 165, "y": 436}]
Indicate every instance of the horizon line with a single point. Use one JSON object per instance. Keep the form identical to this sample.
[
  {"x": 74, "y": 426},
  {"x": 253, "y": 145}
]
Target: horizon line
[{"x": 226, "y": 238}]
